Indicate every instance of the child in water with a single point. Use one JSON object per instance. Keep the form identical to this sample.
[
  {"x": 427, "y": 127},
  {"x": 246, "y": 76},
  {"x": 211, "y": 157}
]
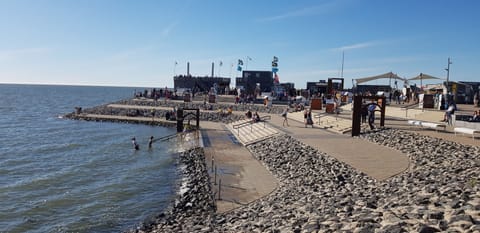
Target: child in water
[
  {"x": 135, "y": 145},
  {"x": 150, "y": 142}
]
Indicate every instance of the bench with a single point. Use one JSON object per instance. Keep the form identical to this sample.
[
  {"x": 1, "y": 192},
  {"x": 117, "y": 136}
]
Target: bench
[
  {"x": 425, "y": 124},
  {"x": 466, "y": 131},
  {"x": 416, "y": 123},
  {"x": 434, "y": 126}
]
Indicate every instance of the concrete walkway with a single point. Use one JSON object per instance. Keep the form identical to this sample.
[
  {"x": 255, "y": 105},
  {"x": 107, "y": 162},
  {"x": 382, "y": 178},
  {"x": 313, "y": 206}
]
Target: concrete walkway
[
  {"x": 244, "y": 179},
  {"x": 376, "y": 161}
]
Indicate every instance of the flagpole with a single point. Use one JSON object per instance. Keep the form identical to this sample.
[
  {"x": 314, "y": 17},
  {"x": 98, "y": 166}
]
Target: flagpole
[
  {"x": 246, "y": 64},
  {"x": 343, "y": 59},
  {"x": 230, "y": 74},
  {"x": 219, "y": 67},
  {"x": 174, "y": 69}
]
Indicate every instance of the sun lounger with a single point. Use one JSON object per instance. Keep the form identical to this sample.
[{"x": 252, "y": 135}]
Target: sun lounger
[
  {"x": 425, "y": 124},
  {"x": 466, "y": 131}
]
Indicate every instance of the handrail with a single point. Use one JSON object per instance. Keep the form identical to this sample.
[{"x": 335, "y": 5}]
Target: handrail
[
  {"x": 266, "y": 117},
  {"x": 165, "y": 138},
  {"x": 408, "y": 106},
  {"x": 240, "y": 125},
  {"x": 250, "y": 122}
]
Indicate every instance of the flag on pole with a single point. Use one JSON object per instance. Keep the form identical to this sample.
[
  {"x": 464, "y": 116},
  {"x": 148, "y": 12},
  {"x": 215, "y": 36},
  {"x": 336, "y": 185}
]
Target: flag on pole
[
  {"x": 249, "y": 58},
  {"x": 275, "y": 64},
  {"x": 176, "y": 63},
  {"x": 240, "y": 64},
  {"x": 221, "y": 63}
]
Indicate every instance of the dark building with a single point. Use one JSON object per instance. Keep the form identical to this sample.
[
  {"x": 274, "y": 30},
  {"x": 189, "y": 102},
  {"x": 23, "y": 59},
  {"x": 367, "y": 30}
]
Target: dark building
[
  {"x": 373, "y": 89},
  {"x": 471, "y": 88},
  {"x": 249, "y": 80},
  {"x": 200, "y": 84},
  {"x": 317, "y": 87},
  {"x": 288, "y": 86}
]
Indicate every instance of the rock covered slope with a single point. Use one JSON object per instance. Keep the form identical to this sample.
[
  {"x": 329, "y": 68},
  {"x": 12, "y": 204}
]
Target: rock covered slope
[
  {"x": 317, "y": 193},
  {"x": 440, "y": 191}
]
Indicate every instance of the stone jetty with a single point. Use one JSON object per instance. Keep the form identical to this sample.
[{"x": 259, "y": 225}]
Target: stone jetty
[{"x": 124, "y": 110}]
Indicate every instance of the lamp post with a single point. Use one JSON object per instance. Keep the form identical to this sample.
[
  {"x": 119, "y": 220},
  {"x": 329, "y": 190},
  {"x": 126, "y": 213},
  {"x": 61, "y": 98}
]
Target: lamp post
[
  {"x": 448, "y": 71},
  {"x": 448, "y": 86}
]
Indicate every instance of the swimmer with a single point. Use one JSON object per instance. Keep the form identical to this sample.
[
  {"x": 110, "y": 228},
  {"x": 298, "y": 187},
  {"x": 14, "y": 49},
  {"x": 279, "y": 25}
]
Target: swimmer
[
  {"x": 150, "y": 142},
  {"x": 135, "y": 145}
]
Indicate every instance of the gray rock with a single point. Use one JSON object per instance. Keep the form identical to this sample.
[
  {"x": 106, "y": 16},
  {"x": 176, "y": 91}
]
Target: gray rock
[{"x": 428, "y": 229}]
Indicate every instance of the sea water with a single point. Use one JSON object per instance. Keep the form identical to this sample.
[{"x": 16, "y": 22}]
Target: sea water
[{"x": 60, "y": 175}]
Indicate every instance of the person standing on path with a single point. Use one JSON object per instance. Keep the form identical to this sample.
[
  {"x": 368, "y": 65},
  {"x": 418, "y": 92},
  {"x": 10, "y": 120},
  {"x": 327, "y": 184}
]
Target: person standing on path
[
  {"x": 305, "y": 115},
  {"x": 309, "y": 120},
  {"x": 284, "y": 115}
]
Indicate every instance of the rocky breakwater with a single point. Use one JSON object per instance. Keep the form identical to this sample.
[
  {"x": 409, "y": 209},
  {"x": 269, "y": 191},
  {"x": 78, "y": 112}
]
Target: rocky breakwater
[
  {"x": 275, "y": 109},
  {"x": 317, "y": 193},
  {"x": 194, "y": 206},
  {"x": 106, "y": 110}
]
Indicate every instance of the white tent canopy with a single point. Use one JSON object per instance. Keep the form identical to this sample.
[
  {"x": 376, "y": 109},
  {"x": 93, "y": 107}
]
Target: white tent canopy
[
  {"x": 388, "y": 75},
  {"x": 423, "y": 76}
]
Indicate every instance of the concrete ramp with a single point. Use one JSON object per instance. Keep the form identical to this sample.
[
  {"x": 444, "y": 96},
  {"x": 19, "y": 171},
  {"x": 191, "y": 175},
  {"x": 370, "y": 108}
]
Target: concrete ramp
[{"x": 247, "y": 132}]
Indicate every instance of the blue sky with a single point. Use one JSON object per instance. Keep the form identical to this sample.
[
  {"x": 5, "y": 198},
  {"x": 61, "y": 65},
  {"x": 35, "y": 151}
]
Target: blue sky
[{"x": 136, "y": 43}]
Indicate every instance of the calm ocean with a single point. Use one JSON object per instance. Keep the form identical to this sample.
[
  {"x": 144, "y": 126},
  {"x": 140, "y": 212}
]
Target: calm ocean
[{"x": 59, "y": 175}]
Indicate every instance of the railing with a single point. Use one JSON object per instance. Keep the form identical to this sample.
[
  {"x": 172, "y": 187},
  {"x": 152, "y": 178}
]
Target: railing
[
  {"x": 410, "y": 106},
  {"x": 250, "y": 122},
  {"x": 168, "y": 137}
]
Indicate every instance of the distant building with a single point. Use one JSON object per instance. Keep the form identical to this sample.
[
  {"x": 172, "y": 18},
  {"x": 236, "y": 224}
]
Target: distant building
[
  {"x": 373, "y": 89},
  {"x": 200, "y": 84},
  {"x": 251, "y": 79},
  {"x": 317, "y": 87}
]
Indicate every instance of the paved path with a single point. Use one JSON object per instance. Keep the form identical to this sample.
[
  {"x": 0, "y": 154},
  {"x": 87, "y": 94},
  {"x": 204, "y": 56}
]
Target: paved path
[
  {"x": 376, "y": 161},
  {"x": 244, "y": 179}
]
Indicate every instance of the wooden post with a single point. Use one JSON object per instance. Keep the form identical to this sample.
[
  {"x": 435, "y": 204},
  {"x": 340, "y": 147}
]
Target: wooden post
[
  {"x": 357, "y": 115},
  {"x": 219, "y": 189},
  {"x": 382, "y": 112},
  {"x": 215, "y": 179},
  {"x": 198, "y": 119},
  {"x": 212, "y": 163}
]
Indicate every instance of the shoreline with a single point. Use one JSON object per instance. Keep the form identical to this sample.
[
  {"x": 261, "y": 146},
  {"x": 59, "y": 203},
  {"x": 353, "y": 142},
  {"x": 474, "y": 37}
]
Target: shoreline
[{"x": 439, "y": 191}]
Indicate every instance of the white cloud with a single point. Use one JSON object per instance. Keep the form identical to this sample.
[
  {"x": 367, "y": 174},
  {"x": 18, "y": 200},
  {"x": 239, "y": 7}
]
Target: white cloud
[
  {"x": 357, "y": 46},
  {"x": 312, "y": 10},
  {"x": 167, "y": 30}
]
